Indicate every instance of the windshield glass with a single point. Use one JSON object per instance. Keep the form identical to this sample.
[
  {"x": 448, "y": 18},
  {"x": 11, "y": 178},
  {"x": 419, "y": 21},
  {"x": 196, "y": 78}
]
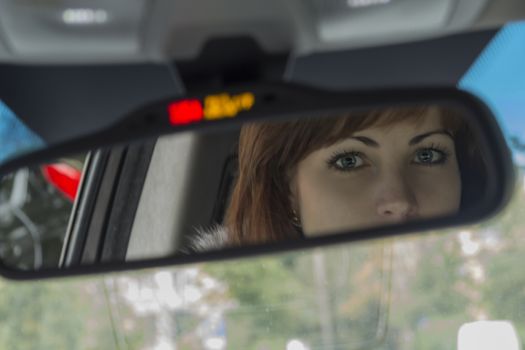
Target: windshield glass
[{"x": 420, "y": 291}]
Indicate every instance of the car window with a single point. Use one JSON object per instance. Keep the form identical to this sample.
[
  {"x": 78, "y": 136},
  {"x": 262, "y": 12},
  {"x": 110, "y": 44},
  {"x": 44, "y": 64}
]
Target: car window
[
  {"x": 17, "y": 138},
  {"x": 37, "y": 202}
]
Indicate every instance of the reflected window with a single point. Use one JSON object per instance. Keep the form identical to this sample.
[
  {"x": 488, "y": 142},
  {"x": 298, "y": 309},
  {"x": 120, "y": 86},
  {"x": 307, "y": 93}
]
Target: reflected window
[{"x": 35, "y": 206}]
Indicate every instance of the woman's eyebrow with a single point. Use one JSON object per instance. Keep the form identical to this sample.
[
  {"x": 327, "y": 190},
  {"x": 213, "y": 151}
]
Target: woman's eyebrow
[
  {"x": 417, "y": 139},
  {"x": 366, "y": 140}
]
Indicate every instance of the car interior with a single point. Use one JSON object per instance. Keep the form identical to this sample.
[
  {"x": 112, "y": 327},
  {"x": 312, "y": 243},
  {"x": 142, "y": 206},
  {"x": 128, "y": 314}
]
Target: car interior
[
  {"x": 178, "y": 188},
  {"x": 104, "y": 188}
]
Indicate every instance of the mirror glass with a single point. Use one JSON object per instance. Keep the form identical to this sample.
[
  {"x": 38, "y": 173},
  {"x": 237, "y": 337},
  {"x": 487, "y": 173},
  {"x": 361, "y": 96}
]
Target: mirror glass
[
  {"x": 264, "y": 182},
  {"x": 36, "y": 205}
]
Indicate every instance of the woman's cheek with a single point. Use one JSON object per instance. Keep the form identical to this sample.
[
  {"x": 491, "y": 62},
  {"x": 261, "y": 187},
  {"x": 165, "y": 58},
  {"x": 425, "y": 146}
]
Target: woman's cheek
[
  {"x": 331, "y": 203},
  {"x": 438, "y": 191}
]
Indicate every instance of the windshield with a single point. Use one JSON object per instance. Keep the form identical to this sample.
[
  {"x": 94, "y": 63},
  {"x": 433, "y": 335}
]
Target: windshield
[{"x": 420, "y": 291}]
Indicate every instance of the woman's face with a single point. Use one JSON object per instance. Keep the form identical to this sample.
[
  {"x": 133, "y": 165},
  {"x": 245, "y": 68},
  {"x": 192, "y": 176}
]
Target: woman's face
[{"x": 377, "y": 176}]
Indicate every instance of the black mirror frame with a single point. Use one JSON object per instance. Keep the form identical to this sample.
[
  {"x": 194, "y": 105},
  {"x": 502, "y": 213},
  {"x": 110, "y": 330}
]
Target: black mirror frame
[{"x": 283, "y": 101}]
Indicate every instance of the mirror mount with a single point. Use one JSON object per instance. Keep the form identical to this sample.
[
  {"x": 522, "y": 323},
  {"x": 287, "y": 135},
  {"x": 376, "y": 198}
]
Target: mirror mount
[{"x": 231, "y": 60}]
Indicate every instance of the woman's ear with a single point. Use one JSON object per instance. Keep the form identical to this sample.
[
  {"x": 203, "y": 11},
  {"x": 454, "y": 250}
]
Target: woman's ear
[
  {"x": 293, "y": 191},
  {"x": 294, "y": 201}
]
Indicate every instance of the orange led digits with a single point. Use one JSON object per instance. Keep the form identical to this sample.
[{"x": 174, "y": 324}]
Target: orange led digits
[{"x": 226, "y": 105}]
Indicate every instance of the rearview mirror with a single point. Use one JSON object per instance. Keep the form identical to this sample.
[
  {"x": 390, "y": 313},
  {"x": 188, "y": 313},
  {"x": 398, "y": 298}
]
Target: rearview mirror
[{"x": 256, "y": 169}]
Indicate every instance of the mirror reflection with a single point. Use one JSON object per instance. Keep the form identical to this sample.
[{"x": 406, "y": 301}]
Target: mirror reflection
[
  {"x": 308, "y": 178},
  {"x": 273, "y": 181},
  {"x": 35, "y": 207},
  {"x": 318, "y": 176}
]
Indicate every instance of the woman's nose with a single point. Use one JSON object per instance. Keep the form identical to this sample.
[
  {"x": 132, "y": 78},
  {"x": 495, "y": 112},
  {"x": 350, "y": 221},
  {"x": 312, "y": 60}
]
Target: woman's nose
[{"x": 396, "y": 200}]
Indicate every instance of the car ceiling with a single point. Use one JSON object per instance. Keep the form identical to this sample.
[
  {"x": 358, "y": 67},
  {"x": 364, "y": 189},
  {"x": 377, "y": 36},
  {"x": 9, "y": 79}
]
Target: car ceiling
[{"x": 102, "y": 31}]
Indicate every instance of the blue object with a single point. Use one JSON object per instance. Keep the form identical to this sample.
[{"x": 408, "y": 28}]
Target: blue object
[
  {"x": 498, "y": 78},
  {"x": 15, "y": 137}
]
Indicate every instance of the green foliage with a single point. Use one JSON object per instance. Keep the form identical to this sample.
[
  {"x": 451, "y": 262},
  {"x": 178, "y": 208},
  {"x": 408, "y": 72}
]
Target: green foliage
[
  {"x": 438, "y": 272},
  {"x": 278, "y": 298},
  {"x": 505, "y": 295},
  {"x": 52, "y": 315},
  {"x": 270, "y": 297},
  {"x": 39, "y": 317}
]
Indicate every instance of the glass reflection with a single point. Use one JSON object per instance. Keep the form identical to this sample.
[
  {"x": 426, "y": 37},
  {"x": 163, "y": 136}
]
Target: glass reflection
[{"x": 318, "y": 176}]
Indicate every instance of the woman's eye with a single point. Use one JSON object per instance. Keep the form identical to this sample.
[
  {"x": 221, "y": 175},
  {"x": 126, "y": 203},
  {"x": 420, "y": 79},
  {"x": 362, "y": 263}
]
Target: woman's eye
[
  {"x": 348, "y": 161},
  {"x": 429, "y": 156}
]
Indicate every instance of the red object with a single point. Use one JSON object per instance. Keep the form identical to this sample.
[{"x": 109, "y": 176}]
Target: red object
[
  {"x": 63, "y": 177},
  {"x": 185, "y": 112}
]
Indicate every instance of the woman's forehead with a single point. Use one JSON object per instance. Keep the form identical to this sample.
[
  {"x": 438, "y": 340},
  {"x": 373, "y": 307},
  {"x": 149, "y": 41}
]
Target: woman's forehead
[{"x": 409, "y": 123}]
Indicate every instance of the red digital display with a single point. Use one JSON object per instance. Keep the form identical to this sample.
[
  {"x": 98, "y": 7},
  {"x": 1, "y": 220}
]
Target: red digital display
[{"x": 185, "y": 112}]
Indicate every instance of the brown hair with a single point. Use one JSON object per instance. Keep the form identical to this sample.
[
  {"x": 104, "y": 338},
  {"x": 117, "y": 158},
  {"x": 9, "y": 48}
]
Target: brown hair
[{"x": 260, "y": 209}]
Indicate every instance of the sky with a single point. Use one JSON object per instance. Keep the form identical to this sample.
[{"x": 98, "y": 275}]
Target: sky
[
  {"x": 498, "y": 78},
  {"x": 16, "y": 137}
]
